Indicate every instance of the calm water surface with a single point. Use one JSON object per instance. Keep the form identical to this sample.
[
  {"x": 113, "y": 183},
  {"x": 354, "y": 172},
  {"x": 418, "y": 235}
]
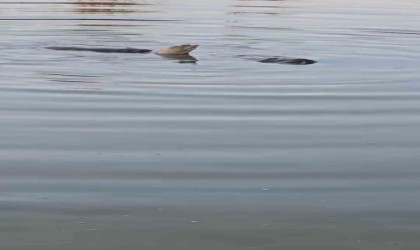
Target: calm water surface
[{"x": 129, "y": 151}]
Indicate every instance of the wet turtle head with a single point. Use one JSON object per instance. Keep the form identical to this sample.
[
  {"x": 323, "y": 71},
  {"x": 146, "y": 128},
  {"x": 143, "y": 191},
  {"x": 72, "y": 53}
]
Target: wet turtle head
[{"x": 184, "y": 49}]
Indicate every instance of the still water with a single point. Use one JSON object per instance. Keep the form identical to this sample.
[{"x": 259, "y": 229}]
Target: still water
[{"x": 130, "y": 151}]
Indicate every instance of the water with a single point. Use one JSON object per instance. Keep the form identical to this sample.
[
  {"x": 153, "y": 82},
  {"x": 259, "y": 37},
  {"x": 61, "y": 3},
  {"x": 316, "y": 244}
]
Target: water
[{"x": 128, "y": 151}]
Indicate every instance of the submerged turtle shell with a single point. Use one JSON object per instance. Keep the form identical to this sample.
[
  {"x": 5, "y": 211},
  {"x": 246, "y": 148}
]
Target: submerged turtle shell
[{"x": 287, "y": 60}]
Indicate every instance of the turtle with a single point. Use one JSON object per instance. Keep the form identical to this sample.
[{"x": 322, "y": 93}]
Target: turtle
[{"x": 182, "y": 53}]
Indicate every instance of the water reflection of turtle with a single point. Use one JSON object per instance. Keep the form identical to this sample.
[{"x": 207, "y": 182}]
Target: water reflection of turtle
[{"x": 182, "y": 54}]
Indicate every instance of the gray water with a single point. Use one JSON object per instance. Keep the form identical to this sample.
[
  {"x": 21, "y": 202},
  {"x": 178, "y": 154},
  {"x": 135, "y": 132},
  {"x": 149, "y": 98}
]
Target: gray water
[{"x": 128, "y": 151}]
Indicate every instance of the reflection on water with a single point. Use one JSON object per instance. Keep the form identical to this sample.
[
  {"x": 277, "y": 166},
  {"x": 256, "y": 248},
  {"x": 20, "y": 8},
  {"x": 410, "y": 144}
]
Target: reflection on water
[
  {"x": 108, "y": 10},
  {"x": 258, "y": 7},
  {"x": 181, "y": 58},
  {"x": 107, "y": 7}
]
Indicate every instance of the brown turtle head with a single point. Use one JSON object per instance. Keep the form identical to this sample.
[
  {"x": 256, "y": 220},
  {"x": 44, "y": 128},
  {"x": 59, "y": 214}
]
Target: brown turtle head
[{"x": 184, "y": 49}]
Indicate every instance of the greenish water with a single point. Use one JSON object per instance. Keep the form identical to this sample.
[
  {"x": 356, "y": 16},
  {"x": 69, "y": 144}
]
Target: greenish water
[
  {"x": 126, "y": 235},
  {"x": 125, "y": 151}
]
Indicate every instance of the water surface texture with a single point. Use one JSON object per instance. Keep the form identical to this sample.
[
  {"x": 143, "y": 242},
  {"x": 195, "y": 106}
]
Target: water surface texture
[{"x": 130, "y": 151}]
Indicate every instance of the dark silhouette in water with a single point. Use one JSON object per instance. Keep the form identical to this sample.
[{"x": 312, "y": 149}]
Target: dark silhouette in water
[
  {"x": 102, "y": 50},
  {"x": 181, "y": 53},
  {"x": 286, "y": 60}
]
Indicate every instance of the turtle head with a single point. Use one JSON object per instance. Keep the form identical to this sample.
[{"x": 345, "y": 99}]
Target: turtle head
[{"x": 184, "y": 49}]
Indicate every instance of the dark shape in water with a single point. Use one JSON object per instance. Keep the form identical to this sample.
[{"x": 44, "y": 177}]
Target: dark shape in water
[
  {"x": 102, "y": 50},
  {"x": 287, "y": 60},
  {"x": 278, "y": 59}
]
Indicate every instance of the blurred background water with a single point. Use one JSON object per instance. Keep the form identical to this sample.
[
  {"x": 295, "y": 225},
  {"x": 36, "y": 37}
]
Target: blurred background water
[{"x": 131, "y": 151}]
